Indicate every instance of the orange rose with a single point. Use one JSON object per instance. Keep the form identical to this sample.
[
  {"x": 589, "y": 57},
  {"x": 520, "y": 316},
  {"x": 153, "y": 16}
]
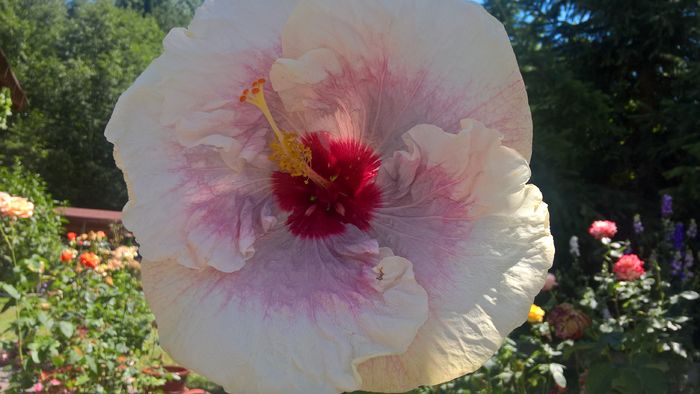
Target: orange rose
[
  {"x": 89, "y": 260},
  {"x": 4, "y": 201},
  {"x": 67, "y": 255},
  {"x": 15, "y": 207},
  {"x": 71, "y": 236}
]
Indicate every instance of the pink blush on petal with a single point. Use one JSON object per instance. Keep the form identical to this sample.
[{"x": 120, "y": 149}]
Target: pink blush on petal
[
  {"x": 425, "y": 225},
  {"x": 384, "y": 104},
  {"x": 381, "y": 101},
  {"x": 288, "y": 273}
]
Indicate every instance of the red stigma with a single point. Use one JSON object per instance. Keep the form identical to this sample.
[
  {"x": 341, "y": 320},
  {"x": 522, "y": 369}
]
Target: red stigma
[{"x": 315, "y": 211}]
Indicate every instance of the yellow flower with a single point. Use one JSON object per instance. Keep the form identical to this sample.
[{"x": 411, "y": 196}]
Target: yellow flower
[{"x": 536, "y": 314}]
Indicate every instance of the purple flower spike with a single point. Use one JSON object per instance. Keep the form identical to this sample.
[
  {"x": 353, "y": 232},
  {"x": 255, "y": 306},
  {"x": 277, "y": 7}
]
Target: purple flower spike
[
  {"x": 637, "y": 224},
  {"x": 692, "y": 231},
  {"x": 678, "y": 236},
  {"x": 666, "y": 206},
  {"x": 677, "y": 264}
]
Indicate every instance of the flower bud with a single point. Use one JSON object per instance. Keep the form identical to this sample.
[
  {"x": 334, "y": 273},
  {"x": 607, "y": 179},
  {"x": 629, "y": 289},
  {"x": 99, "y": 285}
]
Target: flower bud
[{"x": 550, "y": 282}]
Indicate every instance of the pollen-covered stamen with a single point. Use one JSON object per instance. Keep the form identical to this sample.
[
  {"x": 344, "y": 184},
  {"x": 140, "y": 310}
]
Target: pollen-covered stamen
[{"x": 290, "y": 154}]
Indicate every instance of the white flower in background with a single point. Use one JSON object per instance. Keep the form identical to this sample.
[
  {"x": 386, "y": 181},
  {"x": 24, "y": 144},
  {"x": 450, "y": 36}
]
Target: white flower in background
[{"x": 573, "y": 246}]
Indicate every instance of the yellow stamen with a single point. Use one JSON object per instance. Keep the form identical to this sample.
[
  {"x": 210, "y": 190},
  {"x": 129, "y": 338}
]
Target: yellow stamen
[{"x": 290, "y": 154}]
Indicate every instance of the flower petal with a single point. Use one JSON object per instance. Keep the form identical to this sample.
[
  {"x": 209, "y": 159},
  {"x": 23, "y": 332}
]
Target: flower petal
[
  {"x": 289, "y": 322},
  {"x": 478, "y": 237},
  {"x": 194, "y": 157},
  {"x": 388, "y": 66}
]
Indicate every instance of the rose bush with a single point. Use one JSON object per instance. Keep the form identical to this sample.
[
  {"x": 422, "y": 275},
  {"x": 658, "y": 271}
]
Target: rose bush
[
  {"x": 79, "y": 319},
  {"x": 627, "y": 328},
  {"x": 83, "y": 325}
]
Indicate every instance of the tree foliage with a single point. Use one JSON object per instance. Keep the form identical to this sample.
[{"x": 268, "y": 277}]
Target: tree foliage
[
  {"x": 614, "y": 87},
  {"x": 73, "y": 61},
  {"x": 168, "y": 13}
]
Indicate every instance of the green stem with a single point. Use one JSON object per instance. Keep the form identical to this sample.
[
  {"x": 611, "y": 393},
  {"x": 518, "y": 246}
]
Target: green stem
[
  {"x": 9, "y": 245},
  {"x": 657, "y": 268},
  {"x": 18, "y": 311}
]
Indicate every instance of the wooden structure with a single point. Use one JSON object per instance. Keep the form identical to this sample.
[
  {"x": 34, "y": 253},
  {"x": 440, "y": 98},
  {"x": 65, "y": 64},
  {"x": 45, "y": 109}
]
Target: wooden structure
[
  {"x": 8, "y": 80},
  {"x": 82, "y": 220}
]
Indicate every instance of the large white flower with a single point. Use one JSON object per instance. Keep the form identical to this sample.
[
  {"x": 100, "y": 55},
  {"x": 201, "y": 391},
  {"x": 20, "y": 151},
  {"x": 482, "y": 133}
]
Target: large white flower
[{"x": 358, "y": 218}]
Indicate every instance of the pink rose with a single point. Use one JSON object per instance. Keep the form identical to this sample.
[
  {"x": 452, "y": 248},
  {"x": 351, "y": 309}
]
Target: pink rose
[
  {"x": 629, "y": 267},
  {"x": 602, "y": 229},
  {"x": 550, "y": 282},
  {"x": 37, "y": 387}
]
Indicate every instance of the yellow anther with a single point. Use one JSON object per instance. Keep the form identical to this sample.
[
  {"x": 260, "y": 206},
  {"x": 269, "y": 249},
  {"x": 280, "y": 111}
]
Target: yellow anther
[{"x": 290, "y": 154}]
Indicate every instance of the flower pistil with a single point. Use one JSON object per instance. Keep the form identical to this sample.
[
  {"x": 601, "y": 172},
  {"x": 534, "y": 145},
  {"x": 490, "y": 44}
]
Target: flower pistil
[{"x": 290, "y": 154}]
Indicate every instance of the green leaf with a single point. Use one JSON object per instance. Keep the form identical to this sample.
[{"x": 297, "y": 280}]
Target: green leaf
[
  {"x": 6, "y": 306},
  {"x": 66, "y": 328},
  {"x": 599, "y": 379},
  {"x": 35, "y": 356},
  {"x": 35, "y": 264},
  {"x": 90, "y": 361},
  {"x": 689, "y": 295},
  {"x": 678, "y": 349},
  {"x": 11, "y": 291},
  {"x": 82, "y": 379},
  {"x": 58, "y": 360},
  {"x": 557, "y": 371},
  {"x": 653, "y": 380},
  {"x": 626, "y": 381}
]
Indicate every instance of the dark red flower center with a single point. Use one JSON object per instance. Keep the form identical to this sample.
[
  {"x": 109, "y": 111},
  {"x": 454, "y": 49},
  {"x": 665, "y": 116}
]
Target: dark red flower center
[{"x": 350, "y": 196}]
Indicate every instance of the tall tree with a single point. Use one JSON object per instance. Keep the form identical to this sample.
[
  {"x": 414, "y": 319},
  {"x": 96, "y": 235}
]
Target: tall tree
[
  {"x": 74, "y": 61},
  {"x": 168, "y": 13},
  {"x": 614, "y": 87}
]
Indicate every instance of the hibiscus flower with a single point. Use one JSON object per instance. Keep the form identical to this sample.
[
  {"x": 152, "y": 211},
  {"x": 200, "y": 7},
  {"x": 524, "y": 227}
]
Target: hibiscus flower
[{"x": 332, "y": 195}]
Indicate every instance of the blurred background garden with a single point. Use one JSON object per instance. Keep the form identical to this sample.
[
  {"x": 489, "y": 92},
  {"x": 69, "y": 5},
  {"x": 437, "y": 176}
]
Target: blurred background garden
[{"x": 614, "y": 88}]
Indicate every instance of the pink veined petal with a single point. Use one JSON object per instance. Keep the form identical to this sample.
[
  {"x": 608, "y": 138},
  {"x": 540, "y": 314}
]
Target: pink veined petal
[
  {"x": 458, "y": 208},
  {"x": 387, "y": 66},
  {"x": 194, "y": 158},
  {"x": 289, "y": 322}
]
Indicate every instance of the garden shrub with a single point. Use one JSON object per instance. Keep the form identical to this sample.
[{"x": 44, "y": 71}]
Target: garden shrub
[
  {"x": 39, "y": 235},
  {"x": 83, "y": 324},
  {"x": 626, "y": 328},
  {"x": 80, "y": 322}
]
